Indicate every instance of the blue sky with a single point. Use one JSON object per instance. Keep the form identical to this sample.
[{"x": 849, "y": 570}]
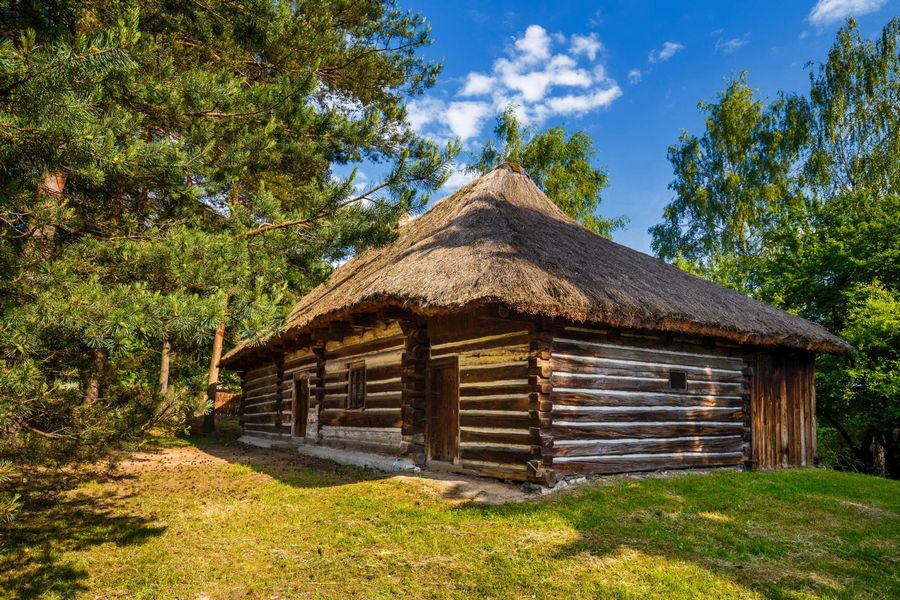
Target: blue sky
[{"x": 629, "y": 73}]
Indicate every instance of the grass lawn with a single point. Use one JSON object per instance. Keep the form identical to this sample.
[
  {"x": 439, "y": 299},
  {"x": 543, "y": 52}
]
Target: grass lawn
[{"x": 213, "y": 520}]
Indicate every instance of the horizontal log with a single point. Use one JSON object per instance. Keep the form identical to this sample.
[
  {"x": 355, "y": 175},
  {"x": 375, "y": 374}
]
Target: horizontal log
[
  {"x": 261, "y": 385},
  {"x": 260, "y": 418},
  {"x": 641, "y": 399},
  {"x": 641, "y": 430},
  {"x": 518, "y": 403},
  {"x": 384, "y": 372},
  {"x": 386, "y": 343},
  {"x": 495, "y": 437},
  {"x": 612, "y": 367},
  {"x": 499, "y": 420},
  {"x": 485, "y": 344},
  {"x": 264, "y": 406},
  {"x": 254, "y": 398},
  {"x": 646, "y": 355},
  {"x": 392, "y": 401},
  {"x": 285, "y": 428},
  {"x": 360, "y": 418},
  {"x": 498, "y": 373},
  {"x": 306, "y": 362},
  {"x": 494, "y": 390},
  {"x": 652, "y": 340},
  {"x": 269, "y": 369},
  {"x": 378, "y": 388},
  {"x": 635, "y": 463},
  {"x": 496, "y": 470},
  {"x": 705, "y": 444},
  {"x": 497, "y": 454},
  {"x": 614, "y": 415},
  {"x": 635, "y": 384}
]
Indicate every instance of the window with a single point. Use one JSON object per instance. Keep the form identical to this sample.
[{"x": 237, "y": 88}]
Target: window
[
  {"x": 677, "y": 380},
  {"x": 356, "y": 396}
]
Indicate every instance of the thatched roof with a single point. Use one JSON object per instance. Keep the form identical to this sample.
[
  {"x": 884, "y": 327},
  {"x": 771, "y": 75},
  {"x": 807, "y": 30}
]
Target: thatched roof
[{"x": 500, "y": 240}]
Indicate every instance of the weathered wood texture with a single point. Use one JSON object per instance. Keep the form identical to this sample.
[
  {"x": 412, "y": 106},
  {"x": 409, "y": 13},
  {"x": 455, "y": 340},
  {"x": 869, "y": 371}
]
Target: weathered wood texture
[
  {"x": 413, "y": 373},
  {"x": 783, "y": 409},
  {"x": 261, "y": 408},
  {"x": 494, "y": 419},
  {"x": 380, "y": 346},
  {"x": 614, "y": 409}
]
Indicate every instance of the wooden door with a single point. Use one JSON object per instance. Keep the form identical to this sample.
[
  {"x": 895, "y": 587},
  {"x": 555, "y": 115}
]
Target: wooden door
[
  {"x": 443, "y": 410},
  {"x": 300, "y": 407},
  {"x": 783, "y": 410}
]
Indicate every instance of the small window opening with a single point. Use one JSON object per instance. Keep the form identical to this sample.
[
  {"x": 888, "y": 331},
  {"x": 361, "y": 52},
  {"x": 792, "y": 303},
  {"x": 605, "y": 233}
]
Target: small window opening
[
  {"x": 356, "y": 396},
  {"x": 677, "y": 380}
]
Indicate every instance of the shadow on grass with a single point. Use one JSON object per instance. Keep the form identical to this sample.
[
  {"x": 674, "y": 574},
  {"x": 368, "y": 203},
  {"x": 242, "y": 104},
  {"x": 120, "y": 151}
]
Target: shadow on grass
[
  {"x": 285, "y": 465},
  {"x": 53, "y": 523}
]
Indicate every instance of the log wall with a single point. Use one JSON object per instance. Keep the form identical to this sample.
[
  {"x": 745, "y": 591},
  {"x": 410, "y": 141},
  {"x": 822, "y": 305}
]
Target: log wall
[
  {"x": 377, "y": 426},
  {"x": 614, "y": 409},
  {"x": 494, "y": 404},
  {"x": 261, "y": 409}
]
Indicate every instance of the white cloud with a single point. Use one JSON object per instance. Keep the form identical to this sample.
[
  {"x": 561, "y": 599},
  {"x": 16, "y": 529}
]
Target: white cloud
[
  {"x": 587, "y": 45},
  {"x": 668, "y": 50},
  {"x": 541, "y": 74},
  {"x": 826, "y": 12},
  {"x": 582, "y": 103},
  {"x": 466, "y": 118},
  {"x": 458, "y": 178},
  {"x": 728, "y": 46},
  {"x": 634, "y": 76},
  {"x": 534, "y": 45},
  {"x": 477, "y": 84},
  {"x": 423, "y": 111}
]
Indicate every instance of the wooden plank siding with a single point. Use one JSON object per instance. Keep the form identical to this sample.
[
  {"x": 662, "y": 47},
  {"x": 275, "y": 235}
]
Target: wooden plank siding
[
  {"x": 614, "y": 409},
  {"x": 783, "y": 409},
  {"x": 494, "y": 406}
]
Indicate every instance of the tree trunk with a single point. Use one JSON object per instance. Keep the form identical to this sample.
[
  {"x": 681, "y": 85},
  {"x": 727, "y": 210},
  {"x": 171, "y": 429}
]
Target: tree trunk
[
  {"x": 92, "y": 390},
  {"x": 164, "y": 366},
  {"x": 209, "y": 417},
  {"x": 39, "y": 244}
]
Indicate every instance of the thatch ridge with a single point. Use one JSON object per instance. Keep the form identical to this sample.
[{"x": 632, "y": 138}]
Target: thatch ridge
[{"x": 500, "y": 240}]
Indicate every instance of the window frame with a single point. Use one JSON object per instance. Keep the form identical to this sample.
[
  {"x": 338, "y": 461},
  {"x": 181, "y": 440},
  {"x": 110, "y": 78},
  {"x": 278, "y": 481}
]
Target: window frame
[
  {"x": 354, "y": 403},
  {"x": 678, "y": 374}
]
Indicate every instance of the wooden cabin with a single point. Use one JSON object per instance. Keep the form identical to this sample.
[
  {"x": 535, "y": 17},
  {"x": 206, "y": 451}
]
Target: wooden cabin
[{"x": 498, "y": 337}]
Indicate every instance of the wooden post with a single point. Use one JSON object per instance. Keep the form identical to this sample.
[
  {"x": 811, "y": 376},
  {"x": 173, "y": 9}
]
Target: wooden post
[
  {"x": 414, "y": 363},
  {"x": 540, "y": 370},
  {"x": 279, "y": 376},
  {"x": 319, "y": 351},
  {"x": 746, "y": 397}
]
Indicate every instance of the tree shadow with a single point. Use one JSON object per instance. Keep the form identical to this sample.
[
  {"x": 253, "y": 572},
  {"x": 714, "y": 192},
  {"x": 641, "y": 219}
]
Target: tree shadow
[{"x": 35, "y": 547}]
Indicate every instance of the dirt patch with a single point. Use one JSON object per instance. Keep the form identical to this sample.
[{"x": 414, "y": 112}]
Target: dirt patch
[{"x": 454, "y": 488}]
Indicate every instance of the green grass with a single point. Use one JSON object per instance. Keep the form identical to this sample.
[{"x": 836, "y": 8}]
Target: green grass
[{"x": 230, "y": 529}]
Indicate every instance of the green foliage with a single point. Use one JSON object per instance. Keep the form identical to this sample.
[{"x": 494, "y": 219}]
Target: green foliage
[
  {"x": 862, "y": 388},
  {"x": 798, "y": 203},
  {"x": 167, "y": 169},
  {"x": 560, "y": 166}
]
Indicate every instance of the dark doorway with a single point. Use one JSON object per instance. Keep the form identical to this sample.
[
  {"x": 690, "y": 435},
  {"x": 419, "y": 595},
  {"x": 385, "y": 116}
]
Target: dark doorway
[
  {"x": 443, "y": 410},
  {"x": 300, "y": 407}
]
